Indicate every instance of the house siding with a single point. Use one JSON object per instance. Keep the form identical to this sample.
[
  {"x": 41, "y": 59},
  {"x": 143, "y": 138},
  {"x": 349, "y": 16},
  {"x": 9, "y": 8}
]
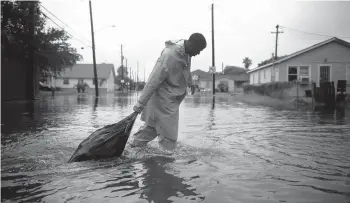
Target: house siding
[
  {"x": 260, "y": 76},
  {"x": 202, "y": 84},
  {"x": 72, "y": 82},
  {"x": 110, "y": 82},
  {"x": 337, "y": 55},
  {"x": 266, "y": 77},
  {"x": 256, "y": 77},
  {"x": 108, "y": 85}
]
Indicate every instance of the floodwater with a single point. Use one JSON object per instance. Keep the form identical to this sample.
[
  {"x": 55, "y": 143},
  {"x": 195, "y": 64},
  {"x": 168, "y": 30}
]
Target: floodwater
[{"x": 228, "y": 152}]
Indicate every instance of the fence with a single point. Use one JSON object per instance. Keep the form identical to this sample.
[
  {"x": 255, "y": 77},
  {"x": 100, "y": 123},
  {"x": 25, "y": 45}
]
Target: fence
[{"x": 328, "y": 94}]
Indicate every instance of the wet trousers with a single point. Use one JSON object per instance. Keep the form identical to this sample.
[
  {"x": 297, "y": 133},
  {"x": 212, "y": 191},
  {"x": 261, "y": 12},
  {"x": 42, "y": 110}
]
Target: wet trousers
[{"x": 147, "y": 133}]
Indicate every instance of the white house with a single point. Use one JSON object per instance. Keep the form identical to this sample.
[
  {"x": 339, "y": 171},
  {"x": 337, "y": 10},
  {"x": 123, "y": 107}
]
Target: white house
[
  {"x": 326, "y": 61},
  {"x": 84, "y": 73},
  {"x": 232, "y": 81}
]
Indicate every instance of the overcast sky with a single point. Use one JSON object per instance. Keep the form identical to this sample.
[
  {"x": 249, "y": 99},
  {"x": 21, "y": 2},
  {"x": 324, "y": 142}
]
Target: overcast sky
[{"x": 242, "y": 28}]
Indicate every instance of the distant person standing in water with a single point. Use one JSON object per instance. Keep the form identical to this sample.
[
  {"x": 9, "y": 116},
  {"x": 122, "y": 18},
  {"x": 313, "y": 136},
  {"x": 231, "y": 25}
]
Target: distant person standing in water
[{"x": 165, "y": 90}]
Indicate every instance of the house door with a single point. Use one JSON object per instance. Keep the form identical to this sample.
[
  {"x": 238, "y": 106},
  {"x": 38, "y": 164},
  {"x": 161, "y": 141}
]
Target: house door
[
  {"x": 325, "y": 73},
  {"x": 224, "y": 86}
]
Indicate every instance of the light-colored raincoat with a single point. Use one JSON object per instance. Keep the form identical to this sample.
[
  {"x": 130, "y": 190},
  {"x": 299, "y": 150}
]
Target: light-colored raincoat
[{"x": 165, "y": 90}]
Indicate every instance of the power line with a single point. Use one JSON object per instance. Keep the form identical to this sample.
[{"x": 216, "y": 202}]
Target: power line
[
  {"x": 59, "y": 19},
  {"x": 311, "y": 33},
  {"x": 46, "y": 16}
]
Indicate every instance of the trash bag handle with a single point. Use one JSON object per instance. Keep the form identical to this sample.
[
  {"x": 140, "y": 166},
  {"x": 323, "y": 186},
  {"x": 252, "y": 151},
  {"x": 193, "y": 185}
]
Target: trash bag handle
[{"x": 133, "y": 117}]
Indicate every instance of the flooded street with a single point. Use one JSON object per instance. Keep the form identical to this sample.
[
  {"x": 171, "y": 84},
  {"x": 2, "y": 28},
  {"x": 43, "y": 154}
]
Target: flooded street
[{"x": 228, "y": 152}]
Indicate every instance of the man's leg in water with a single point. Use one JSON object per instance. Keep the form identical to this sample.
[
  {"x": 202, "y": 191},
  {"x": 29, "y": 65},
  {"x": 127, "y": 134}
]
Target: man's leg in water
[
  {"x": 147, "y": 133},
  {"x": 144, "y": 135},
  {"x": 167, "y": 142}
]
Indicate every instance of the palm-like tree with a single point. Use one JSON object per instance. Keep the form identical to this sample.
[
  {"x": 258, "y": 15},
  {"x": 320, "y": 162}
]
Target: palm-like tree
[{"x": 247, "y": 62}]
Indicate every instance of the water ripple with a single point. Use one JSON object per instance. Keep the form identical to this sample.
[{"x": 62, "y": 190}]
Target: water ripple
[{"x": 233, "y": 152}]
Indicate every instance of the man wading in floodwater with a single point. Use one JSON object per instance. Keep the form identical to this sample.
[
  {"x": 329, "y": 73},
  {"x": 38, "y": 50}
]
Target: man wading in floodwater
[{"x": 165, "y": 90}]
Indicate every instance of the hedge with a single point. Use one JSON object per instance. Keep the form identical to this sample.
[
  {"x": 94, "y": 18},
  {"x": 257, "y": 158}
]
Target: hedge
[{"x": 267, "y": 88}]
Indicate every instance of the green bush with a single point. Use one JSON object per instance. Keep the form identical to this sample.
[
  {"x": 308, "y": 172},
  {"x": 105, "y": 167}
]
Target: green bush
[{"x": 267, "y": 88}]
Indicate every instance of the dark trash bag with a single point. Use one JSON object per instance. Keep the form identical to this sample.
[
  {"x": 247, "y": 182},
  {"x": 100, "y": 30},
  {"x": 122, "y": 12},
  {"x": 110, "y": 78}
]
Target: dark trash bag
[{"x": 106, "y": 142}]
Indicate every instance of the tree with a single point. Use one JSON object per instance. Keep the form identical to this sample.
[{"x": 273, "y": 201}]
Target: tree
[
  {"x": 122, "y": 74},
  {"x": 234, "y": 70},
  {"x": 270, "y": 60},
  {"x": 51, "y": 49},
  {"x": 122, "y": 71},
  {"x": 247, "y": 62}
]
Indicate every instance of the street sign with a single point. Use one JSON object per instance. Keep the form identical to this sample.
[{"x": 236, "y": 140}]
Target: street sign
[
  {"x": 122, "y": 81},
  {"x": 212, "y": 69}
]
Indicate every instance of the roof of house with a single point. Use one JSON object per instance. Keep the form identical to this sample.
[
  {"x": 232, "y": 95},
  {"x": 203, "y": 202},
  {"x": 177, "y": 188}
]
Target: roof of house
[
  {"x": 87, "y": 71},
  {"x": 204, "y": 76},
  {"x": 199, "y": 73},
  {"x": 334, "y": 39}
]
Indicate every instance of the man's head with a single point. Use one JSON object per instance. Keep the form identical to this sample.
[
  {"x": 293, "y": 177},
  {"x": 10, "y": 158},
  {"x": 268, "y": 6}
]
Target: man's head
[{"x": 195, "y": 44}]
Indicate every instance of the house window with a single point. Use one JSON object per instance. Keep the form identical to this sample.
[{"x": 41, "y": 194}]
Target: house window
[
  {"x": 66, "y": 81},
  {"x": 304, "y": 73},
  {"x": 300, "y": 73},
  {"x": 292, "y": 73},
  {"x": 264, "y": 73}
]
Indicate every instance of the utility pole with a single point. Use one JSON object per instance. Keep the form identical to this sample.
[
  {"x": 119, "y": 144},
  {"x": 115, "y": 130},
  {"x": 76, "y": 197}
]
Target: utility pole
[
  {"x": 213, "y": 49},
  {"x": 31, "y": 79},
  {"x": 130, "y": 78},
  {"x": 126, "y": 69},
  {"x": 137, "y": 76},
  {"x": 222, "y": 68},
  {"x": 277, "y": 32},
  {"x": 133, "y": 80},
  {"x": 122, "y": 67},
  {"x": 93, "y": 50},
  {"x": 275, "y": 58}
]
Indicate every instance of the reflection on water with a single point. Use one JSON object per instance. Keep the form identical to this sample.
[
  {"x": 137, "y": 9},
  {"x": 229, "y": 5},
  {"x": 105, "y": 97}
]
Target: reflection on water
[
  {"x": 158, "y": 185},
  {"x": 228, "y": 152},
  {"x": 213, "y": 104}
]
